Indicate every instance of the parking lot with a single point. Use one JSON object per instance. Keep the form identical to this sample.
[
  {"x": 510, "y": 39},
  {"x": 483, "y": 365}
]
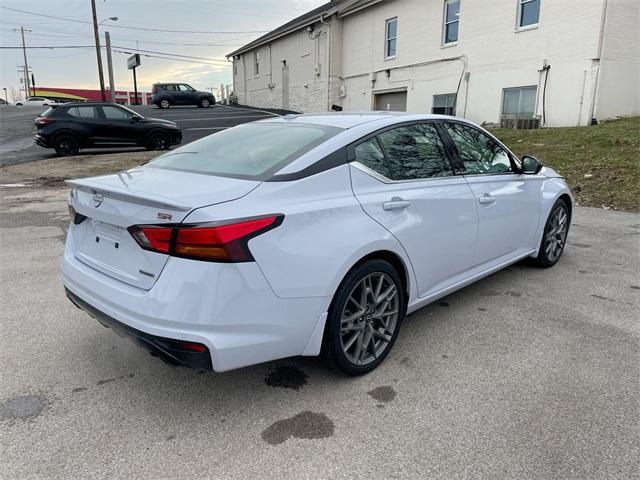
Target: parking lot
[
  {"x": 527, "y": 374},
  {"x": 17, "y": 128}
]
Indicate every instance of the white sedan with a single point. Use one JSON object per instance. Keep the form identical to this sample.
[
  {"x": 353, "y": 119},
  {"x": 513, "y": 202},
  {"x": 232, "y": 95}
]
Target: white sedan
[
  {"x": 305, "y": 235},
  {"x": 36, "y": 102}
]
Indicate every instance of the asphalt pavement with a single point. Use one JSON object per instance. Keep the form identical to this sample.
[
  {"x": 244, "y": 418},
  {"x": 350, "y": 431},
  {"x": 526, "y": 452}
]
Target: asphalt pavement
[
  {"x": 17, "y": 128},
  {"x": 528, "y": 374}
]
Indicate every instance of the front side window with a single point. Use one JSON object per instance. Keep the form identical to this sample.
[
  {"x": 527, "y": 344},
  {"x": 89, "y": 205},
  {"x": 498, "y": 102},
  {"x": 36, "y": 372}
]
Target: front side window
[
  {"x": 251, "y": 151},
  {"x": 415, "y": 152},
  {"x": 529, "y": 12},
  {"x": 370, "y": 155},
  {"x": 451, "y": 21},
  {"x": 391, "y": 37},
  {"x": 519, "y": 101},
  {"x": 35, "y": 99},
  {"x": 185, "y": 88},
  {"x": 115, "y": 113},
  {"x": 444, "y": 104},
  {"x": 478, "y": 153},
  {"x": 256, "y": 62}
]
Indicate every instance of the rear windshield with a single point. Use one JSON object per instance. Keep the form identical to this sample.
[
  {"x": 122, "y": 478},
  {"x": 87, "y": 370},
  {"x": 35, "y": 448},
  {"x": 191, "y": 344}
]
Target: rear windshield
[{"x": 252, "y": 151}]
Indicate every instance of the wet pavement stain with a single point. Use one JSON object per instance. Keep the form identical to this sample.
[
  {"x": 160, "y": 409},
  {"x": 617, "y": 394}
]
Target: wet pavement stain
[
  {"x": 442, "y": 303},
  {"x": 23, "y": 407},
  {"x": 102, "y": 382},
  {"x": 78, "y": 389},
  {"x": 579, "y": 245},
  {"x": 305, "y": 425},
  {"x": 383, "y": 394},
  {"x": 635, "y": 287},
  {"x": 482, "y": 309},
  {"x": 287, "y": 377}
]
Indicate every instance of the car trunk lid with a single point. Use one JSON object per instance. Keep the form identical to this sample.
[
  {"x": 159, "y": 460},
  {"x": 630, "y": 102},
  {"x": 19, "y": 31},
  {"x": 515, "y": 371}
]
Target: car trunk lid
[{"x": 112, "y": 203}]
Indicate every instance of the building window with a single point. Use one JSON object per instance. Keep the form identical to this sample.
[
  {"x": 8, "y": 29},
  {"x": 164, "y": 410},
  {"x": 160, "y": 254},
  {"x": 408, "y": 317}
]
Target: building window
[
  {"x": 519, "y": 101},
  {"x": 528, "y": 12},
  {"x": 451, "y": 21},
  {"x": 391, "y": 37},
  {"x": 444, "y": 104},
  {"x": 256, "y": 62}
]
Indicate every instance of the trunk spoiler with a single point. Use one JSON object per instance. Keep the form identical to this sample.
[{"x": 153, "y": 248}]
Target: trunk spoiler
[{"x": 140, "y": 198}]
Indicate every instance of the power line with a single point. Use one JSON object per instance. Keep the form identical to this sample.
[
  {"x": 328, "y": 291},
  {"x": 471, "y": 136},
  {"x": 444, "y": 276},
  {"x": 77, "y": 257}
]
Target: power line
[{"x": 130, "y": 27}]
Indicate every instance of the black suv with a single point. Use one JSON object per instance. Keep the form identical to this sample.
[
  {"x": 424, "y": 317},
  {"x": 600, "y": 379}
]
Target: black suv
[
  {"x": 167, "y": 94},
  {"x": 72, "y": 126}
]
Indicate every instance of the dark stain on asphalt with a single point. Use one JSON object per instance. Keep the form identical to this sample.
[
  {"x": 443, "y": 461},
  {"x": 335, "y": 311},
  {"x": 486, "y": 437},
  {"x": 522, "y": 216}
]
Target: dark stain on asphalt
[
  {"x": 102, "y": 382},
  {"x": 579, "y": 245},
  {"x": 404, "y": 361},
  {"x": 600, "y": 297},
  {"x": 442, "y": 303},
  {"x": 78, "y": 389},
  {"x": 444, "y": 356},
  {"x": 23, "y": 407},
  {"x": 170, "y": 437},
  {"x": 583, "y": 271},
  {"x": 305, "y": 425},
  {"x": 480, "y": 309},
  {"x": 287, "y": 377},
  {"x": 384, "y": 394},
  {"x": 635, "y": 287}
]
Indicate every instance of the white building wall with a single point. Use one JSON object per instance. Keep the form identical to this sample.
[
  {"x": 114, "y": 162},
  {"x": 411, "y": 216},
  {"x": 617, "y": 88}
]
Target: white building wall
[
  {"x": 491, "y": 54},
  {"x": 619, "y": 79}
]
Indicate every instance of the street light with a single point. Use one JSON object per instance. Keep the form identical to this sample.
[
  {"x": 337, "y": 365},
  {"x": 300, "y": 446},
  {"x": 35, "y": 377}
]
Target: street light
[
  {"x": 6, "y": 99},
  {"x": 113, "y": 19}
]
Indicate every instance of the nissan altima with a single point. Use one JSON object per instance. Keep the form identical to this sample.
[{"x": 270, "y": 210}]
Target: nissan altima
[{"x": 305, "y": 235}]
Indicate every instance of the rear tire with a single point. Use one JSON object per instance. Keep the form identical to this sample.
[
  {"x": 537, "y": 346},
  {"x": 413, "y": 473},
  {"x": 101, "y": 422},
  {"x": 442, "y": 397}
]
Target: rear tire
[
  {"x": 66, "y": 145},
  {"x": 204, "y": 103},
  {"x": 158, "y": 141},
  {"x": 364, "y": 318},
  {"x": 164, "y": 104},
  {"x": 554, "y": 237}
]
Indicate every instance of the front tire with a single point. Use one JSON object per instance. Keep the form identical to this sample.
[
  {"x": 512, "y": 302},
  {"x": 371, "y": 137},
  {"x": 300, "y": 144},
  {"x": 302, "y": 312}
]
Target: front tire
[
  {"x": 158, "y": 141},
  {"x": 554, "y": 236},
  {"x": 66, "y": 145},
  {"x": 364, "y": 318}
]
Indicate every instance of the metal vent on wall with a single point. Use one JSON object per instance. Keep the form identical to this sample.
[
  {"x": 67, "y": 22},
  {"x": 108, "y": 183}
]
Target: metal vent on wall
[{"x": 516, "y": 122}]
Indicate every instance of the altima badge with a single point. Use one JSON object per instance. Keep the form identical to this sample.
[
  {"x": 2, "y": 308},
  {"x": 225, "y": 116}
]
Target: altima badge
[
  {"x": 165, "y": 216},
  {"x": 97, "y": 200}
]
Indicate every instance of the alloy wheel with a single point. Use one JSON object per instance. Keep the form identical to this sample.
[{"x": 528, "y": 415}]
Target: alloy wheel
[
  {"x": 369, "y": 318},
  {"x": 556, "y": 234}
]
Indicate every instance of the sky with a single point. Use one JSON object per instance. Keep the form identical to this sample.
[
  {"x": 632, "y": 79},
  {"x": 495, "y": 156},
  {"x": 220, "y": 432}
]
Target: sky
[{"x": 224, "y": 25}]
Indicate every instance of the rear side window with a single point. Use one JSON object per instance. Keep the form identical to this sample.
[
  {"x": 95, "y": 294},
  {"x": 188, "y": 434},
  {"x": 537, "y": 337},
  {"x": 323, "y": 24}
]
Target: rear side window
[
  {"x": 370, "y": 155},
  {"x": 415, "y": 152},
  {"x": 478, "y": 152},
  {"x": 170, "y": 88},
  {"x": 83, "y": 112},
  {"x": 252, "y": 151}
]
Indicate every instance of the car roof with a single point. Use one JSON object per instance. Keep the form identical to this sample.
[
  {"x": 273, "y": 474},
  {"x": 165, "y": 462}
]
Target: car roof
[
  {"x": 348, "y": 120},
  {"x": 85, "y": 104}
]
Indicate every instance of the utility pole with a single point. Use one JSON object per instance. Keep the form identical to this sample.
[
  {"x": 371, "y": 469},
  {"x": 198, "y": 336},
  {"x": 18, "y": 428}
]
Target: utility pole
[
  {"x": 107, "y": 39},
  {"x": 6, "y": 99},
  {"x": 27, "y": 91},
  {"x": 99, "y": 57}
]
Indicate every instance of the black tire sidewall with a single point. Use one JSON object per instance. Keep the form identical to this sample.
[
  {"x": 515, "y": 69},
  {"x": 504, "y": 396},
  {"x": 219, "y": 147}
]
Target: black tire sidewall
[
  {"x": 332, "y": 348},
  {"x": 542, "y": 259},
  {"x": 72, "y": 139},
  {"x": 151, "y": 144}
]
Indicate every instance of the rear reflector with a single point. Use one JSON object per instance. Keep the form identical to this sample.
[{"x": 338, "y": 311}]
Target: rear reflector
[{"x": 227, "y": 242}]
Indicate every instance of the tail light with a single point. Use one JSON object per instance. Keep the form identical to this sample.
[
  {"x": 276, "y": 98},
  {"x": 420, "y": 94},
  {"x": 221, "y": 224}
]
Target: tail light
[
  {"x": 43, "y": 121},
  {"x": 224, "y": 242}
]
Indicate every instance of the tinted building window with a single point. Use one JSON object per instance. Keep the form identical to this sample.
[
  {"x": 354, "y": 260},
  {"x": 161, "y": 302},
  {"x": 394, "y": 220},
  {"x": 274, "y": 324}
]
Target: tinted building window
[
  {"x": 391, "y": 37},
  {"x": 451, "y": 20},
  {"x": 529, "y": 12}
]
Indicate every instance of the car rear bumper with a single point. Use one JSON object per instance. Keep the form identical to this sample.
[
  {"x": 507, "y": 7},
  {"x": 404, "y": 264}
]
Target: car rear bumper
[
  {"x": 169, "y": 350},
  {"x": 41, "y": 140},
  {"x": 229, "y": 308}
]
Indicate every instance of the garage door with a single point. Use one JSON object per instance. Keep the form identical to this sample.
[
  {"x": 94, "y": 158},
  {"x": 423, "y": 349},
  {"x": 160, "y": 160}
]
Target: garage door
[{"x": 393, "y": 101}]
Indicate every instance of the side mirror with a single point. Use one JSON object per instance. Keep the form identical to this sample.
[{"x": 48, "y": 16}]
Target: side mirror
[
  {"x": 531, "y": 165},
  {"x": 135, "y": 118}
]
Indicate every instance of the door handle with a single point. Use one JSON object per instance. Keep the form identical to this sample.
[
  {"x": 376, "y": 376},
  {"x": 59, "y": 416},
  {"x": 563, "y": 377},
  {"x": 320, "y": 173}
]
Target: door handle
[
  {"x": 486, "y": 199},
  {"x": 396, "y": 203}
]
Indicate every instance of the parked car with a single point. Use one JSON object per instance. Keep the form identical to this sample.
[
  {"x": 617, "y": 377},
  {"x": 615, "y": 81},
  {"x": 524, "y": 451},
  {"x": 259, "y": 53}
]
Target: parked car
[
  {"x": 305, "y": 235},
  {"x": 36, "y": 102},
  {"x": 69, "y": 127},
  {"x": 168, "y": 94}
]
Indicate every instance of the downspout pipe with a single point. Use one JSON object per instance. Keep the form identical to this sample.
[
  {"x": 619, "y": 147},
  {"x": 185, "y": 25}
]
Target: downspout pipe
[{"x": 594, "y": 120}]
